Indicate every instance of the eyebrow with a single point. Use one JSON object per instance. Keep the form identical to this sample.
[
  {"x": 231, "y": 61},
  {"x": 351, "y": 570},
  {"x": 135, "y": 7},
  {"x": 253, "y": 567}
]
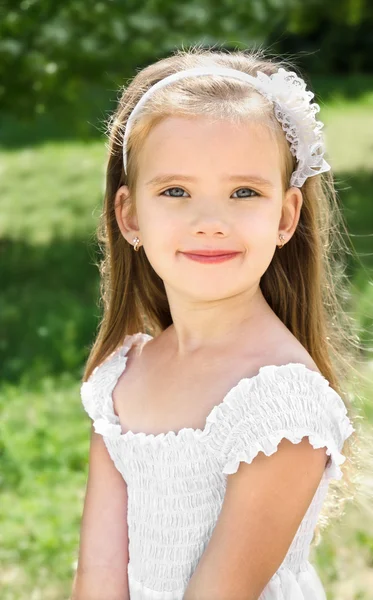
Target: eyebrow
[{"x": 167, "y": 178}]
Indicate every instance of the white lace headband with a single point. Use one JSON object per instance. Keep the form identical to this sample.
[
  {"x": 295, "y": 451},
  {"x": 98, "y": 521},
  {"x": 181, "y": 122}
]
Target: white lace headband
[{"x": 292, "y": 107}]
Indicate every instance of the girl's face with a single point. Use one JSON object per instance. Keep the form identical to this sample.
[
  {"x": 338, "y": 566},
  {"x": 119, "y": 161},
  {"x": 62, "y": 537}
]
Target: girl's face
[{"x": 199, "y": 188}]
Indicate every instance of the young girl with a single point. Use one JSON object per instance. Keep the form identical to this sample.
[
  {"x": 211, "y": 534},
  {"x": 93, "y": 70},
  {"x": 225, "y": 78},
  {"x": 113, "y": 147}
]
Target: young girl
[{"x": 214, "y": 381}]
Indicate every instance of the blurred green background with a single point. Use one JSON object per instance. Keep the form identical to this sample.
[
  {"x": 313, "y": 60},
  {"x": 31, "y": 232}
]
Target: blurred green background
[{"x": 61, "y": 66}]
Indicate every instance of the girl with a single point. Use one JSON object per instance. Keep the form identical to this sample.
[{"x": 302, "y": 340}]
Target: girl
[{"x": 214, "y": 381}]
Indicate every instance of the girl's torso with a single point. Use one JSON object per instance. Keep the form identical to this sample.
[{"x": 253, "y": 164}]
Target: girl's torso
[{"x": 176, "y": 483}]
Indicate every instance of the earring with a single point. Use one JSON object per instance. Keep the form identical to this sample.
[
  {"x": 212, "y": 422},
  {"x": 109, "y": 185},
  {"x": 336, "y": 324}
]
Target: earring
[
  {"x": 282, "y": 237},
  {"x": 136, "y": 241}
]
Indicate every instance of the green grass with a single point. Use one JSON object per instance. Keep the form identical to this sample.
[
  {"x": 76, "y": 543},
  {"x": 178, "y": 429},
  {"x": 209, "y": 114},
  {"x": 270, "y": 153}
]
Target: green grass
[
  {"x": 51, "y": 191},
  {"x": 44, "y": 446},
  {"x": 51, "y": 194}
]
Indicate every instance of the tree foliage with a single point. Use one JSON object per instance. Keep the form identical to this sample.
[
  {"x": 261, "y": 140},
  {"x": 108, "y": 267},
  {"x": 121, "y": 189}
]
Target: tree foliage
[{"x": 50, "y": 50}]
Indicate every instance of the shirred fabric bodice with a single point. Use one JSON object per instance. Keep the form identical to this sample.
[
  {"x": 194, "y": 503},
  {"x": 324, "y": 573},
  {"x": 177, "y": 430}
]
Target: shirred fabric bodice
[{"x": 176, "y": 481}]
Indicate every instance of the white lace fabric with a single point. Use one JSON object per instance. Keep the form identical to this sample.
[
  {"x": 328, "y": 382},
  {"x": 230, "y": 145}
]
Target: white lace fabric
[
  {"x": 292, "y": 108},
  {"x": 176, "y": 481}
]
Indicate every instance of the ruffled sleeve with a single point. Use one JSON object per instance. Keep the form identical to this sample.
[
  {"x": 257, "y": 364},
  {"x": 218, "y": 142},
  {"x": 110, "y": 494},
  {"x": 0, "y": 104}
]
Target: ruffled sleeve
[
  {"x": 96, "y": 392},
  {"x": 96, "y": 395},
  {"x": 287, "y": 401}
]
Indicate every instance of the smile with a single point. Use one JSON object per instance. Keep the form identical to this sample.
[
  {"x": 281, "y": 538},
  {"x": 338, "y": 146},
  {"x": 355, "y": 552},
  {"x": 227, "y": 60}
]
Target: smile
[{"x": 211, "y": 259}]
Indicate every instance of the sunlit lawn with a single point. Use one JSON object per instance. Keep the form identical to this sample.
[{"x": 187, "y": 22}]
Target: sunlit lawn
[{"x": 50, "y": 201}]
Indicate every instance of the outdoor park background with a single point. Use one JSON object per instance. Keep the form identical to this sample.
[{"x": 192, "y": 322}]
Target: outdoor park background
[{"x": 61, "y": 65}]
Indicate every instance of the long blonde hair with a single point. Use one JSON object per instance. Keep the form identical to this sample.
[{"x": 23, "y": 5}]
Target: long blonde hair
[{"x": 305, "y": 284}]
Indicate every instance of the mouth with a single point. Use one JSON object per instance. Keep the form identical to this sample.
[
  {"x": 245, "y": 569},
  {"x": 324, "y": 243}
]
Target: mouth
[
  {"x": 210, "y": 257},
  {"x": 211, "y": 252}
]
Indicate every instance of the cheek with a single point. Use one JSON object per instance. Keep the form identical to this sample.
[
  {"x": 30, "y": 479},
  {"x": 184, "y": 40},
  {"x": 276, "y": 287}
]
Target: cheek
[
  {"x": 152, "y": 212},
  {"x": 161, "y": 237},
  {"x": 259, "y": 229},
  {"x": 160, "y": 227},
  {"x": 259, "y": 236}
]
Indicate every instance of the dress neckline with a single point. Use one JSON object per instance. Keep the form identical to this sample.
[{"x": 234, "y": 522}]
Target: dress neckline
[{"x": 114, "y": 427}]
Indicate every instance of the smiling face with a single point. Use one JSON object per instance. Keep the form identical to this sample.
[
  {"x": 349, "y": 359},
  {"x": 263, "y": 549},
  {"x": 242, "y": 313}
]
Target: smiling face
[{"x": 212, "y": 199}]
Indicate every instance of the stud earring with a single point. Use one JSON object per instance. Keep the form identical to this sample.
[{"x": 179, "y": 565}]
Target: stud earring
[
  {"x": 282, "y": 237},
  {"x": 136, "y": 242}
]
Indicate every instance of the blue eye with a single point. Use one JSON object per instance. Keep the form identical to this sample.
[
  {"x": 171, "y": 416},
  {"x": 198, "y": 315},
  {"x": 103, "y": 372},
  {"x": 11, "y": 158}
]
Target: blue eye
[
  {"x": 180, "y": 189},
  {"x": 249, "y": 189},
  {"x": 173, "y": 188}
]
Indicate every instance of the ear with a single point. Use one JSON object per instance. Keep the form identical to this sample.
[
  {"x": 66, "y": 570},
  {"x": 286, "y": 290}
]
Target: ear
[
  {"x": 290, "y": 215},
  {"x": 127, "y": 223}
]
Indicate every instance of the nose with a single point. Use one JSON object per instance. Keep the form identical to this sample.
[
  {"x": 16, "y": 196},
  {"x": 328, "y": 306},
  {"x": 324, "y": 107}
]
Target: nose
[
  {"x": 210, "y": 219},
  {"x": 211, "y": 229}
]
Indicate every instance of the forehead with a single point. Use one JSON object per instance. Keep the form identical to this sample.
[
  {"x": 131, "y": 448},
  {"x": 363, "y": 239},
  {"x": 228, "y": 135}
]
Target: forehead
[{"x": 197, "y": 144}]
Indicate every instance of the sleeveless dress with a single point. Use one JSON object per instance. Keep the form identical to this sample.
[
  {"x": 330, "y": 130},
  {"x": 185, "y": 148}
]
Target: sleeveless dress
[{"x": 176, "y": 481}]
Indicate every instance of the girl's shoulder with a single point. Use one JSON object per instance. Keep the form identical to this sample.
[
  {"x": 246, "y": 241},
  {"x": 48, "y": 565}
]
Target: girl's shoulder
[
  {"x": 130, "y": 340},
  {"x": 96, "y": 392},
  {"x": 289, "y": 401}
]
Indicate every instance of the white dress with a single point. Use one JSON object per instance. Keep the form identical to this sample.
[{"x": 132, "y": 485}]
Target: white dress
[{"x": 176, "y": 481}]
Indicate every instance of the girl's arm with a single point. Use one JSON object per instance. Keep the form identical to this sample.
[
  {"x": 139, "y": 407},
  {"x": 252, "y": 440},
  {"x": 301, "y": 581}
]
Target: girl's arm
[
  {"x": 103, "y": 551},
  {"x": 264, "y": 504}
]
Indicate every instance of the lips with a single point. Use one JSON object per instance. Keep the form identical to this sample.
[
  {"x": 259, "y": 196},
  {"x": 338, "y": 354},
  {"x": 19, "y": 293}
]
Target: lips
[
  {"x": 211, "y": 252},
  {"x": 211, "y": 258}
]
